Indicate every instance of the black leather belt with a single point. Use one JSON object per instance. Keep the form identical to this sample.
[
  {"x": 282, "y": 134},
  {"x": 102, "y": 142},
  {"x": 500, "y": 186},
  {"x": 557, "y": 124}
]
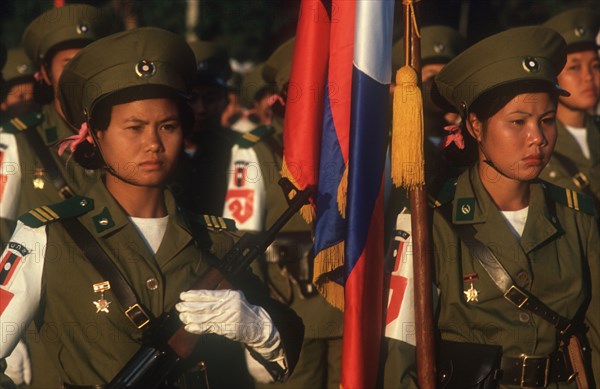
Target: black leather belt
[{"x": 534, "y": 372}]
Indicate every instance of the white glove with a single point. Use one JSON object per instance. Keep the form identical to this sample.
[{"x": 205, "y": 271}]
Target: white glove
[
  {"x": 228, "y": 313},
  {"x": 18, "y": 365}
]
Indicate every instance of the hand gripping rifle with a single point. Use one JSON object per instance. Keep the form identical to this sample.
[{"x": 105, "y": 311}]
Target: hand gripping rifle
[{"x": 164, "y": 357}]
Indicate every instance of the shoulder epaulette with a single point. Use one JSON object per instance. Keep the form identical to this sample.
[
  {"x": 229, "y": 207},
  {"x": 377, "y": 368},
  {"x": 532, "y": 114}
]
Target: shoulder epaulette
[
  {"x": 72, "y": 207},
  {"x": 251, "y": 138},
  {"x": 23, "y": 122},
  {"x": 445, "y": 194},
  {"x": 210, "y": 222},
  {"x": 217, "y": 223},
  {"x": 570, "y": 198}
]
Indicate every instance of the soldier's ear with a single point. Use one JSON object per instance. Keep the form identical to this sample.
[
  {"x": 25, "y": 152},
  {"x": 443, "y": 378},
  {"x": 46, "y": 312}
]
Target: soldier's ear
[
  {"x": 474, "y": 126},
  {"x": 45, "y": 75}
]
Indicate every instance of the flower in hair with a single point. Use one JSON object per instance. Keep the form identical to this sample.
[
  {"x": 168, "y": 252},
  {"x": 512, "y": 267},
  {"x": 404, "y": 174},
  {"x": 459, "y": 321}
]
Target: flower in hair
[
  {"x": 454, "y": 136},
  {"x": 274, "y": 99},
  {"x": 75, "y": 140}
]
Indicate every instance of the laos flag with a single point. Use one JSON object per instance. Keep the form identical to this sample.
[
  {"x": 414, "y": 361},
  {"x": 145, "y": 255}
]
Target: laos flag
[
  {"x": 335, "y": 135},
  {"x": 363, "y": 265}
]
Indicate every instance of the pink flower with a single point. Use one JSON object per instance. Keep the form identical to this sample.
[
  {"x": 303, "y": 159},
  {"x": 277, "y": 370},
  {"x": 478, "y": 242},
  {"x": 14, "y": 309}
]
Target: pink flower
[
  {"x": 454, "y": 136},
  {"x": 74, "y": 140},
  {"x": 276, "y": 98}
]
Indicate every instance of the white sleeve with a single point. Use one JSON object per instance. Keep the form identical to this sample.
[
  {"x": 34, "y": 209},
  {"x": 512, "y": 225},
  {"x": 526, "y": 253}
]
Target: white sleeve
[
  {"x": 10, "y": 176},
  {"x": 400, "y": 315},
  {"x": 21, "y": 267},
  {"x": 246, "y": 190}
]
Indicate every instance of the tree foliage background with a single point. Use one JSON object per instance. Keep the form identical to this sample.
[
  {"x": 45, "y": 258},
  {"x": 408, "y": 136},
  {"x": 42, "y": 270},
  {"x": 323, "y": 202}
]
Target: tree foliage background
[{"x": 252, "y": 29}]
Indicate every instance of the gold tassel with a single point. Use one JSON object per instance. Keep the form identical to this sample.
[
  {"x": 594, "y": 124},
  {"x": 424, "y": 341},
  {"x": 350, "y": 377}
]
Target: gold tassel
[
  {"x": 325, "y": 261},
  {"x": 307, "y": 211},
  {"x": 342, "y": 192},
  {"x": 408, "y": 166}
]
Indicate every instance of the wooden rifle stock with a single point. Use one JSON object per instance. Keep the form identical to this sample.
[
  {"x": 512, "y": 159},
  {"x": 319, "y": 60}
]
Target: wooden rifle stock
[{"x": 162, "y": 359}]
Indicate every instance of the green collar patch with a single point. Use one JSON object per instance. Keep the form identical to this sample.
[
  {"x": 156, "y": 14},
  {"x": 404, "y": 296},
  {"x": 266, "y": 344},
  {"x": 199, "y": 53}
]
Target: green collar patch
[
  {"x": 73, "y": 207},
  {"x": 103, "y": 221},
  {"x": 251, "y": 138},
  {"x": 23, "y": 122},
  {"x": 51, "y": 135},
  {"x": 445, "y": 195},
  {"x": 464, "y": 209},
  {"x": 570, "y": 198}
]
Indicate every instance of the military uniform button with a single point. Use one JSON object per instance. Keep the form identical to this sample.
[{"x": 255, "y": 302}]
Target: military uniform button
[
  {"x": 83, "y": 203},
  {"x": 552, "y": 174},
  {"x": 522, "y": 277},
  {"x": 524, "y": 317},
  {"x": 103, "y": 221},
  {"x": 152, "y": 283}
]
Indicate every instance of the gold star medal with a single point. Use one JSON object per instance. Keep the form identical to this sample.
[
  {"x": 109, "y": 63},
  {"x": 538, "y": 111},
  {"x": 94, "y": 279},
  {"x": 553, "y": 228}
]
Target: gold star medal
[
  {"x": 471, "y": 293},
  {"x": 101, "y": 304},
  {"x": 38, "y": 181}
]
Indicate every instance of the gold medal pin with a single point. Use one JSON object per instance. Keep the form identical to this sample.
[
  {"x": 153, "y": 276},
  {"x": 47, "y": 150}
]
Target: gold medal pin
[
  {"x": 471, "y": 293},
  {"x": 38, "y": 181},
  {"x": 101, "y": 304}
]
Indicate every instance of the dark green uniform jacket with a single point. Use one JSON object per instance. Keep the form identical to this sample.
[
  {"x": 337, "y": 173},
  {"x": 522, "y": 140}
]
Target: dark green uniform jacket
[
  {"x": 89, "y": 346},
  {"x": 567, "y": 148},
  {"x": 555, "y": 259},
  {"x": 35, "y": 187}
]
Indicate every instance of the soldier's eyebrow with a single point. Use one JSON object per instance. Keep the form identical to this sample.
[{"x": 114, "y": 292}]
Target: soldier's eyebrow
[
  {"x": 135, "y": 120},
  {"x": 170, "y": 118},
  {"x": 531, "y": 114}
]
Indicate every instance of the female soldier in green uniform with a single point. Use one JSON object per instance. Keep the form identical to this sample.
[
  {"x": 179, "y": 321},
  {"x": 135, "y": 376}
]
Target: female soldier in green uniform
[
  {"x": 575, "y": 163},
  {"x": 130, "y": 106},
  {"x": 500, "y": 234}
]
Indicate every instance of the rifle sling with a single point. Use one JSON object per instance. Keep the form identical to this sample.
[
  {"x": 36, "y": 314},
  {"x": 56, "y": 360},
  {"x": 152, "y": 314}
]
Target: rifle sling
[
  {"x": 35, "y": 140},
  {"x": 521, "y": 298},
  {"x": 107, "y": 269}
]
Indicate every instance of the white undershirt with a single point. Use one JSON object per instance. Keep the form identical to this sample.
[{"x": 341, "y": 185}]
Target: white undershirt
[
  {"x": 580, "y": 135},
  {"x": 516, "y": 220},
  {"x": 152, "y": 230}
]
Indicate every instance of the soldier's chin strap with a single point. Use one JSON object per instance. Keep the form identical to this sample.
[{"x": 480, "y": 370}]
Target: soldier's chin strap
[
  {"x": 491, "y": 164},
  {"x": 107, "y": 167}
]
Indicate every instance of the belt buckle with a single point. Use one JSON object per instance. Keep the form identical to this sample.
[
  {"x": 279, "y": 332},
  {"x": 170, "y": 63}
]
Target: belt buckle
[
  {"x": 523, "y": 296},
  {"x": 133, "y": 313},
  {"x": 581, "y": 181},
  {"x": 524, "y": 370}
]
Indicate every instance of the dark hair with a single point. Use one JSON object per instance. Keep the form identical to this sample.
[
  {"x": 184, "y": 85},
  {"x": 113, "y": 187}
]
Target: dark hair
[
  {"x": 88, "y": 156},
  {"x": 490, "y": 102},
  {"x": 264, "y": 92}
]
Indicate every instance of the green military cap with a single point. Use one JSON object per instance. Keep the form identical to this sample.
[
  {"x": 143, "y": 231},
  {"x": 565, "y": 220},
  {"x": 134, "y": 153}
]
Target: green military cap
[
  {"x": 77, "y": 24},
  {"x": 439, "y": 44},
  {"x": 515, "y": 55},
  {"x": 277, "y": 68},
  {"x": 212, "y": 63},
  {"x": 578, "y": 27},
  {"x": 18, "y": 65},
  {"x": 147, "y": 58}
]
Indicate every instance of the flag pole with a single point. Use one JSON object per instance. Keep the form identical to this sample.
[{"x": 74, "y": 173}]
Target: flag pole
[{"x": 412, "y": 176}]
